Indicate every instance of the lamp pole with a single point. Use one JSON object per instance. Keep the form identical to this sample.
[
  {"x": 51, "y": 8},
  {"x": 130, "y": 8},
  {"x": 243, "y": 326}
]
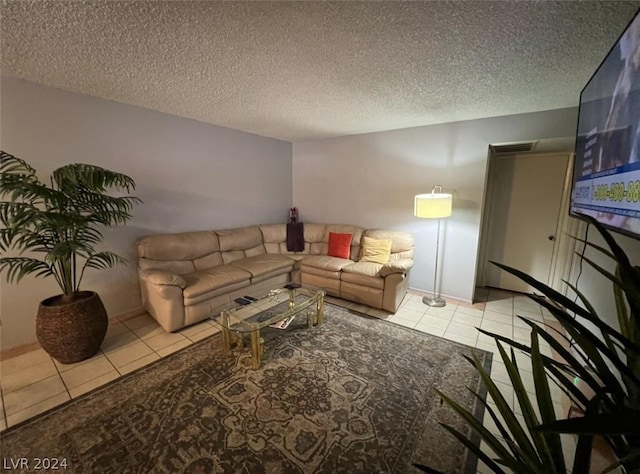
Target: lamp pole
[{"x": 436, "y": 302}]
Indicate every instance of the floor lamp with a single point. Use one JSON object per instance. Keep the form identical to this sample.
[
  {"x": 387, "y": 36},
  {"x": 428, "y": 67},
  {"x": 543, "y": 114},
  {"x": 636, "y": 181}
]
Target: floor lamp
[{"x": 435, "y": 205}]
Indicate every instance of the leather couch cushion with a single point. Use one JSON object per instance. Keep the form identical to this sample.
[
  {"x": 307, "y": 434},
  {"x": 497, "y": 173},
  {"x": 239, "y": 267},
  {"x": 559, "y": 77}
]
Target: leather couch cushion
[
  {"x": 179, "y": 267},
  {"x": 206, "y": 281},
  {"x": 257, "y": 250},
  {"x": 232, "y": 256},
  {"x": 183, "y": 246},
  {"x": 316, "y": 248},
  {"x": 263, "y": 264},
  {"x": 363, "y": 273},
  {"x": 369, "y": 269},
  {"x": 325, "y": 262},
  {"x": 315, "y": 233},
  {"x": 274, "y": 237},
  {"x": 281, "y": 248},
  {"x": 361, "y": 294},
  {"x": 239, "y": 239},
  {"x": 401, "y": 266},
  {"x": 320, "y": 272},
  {"x": 159, "y": 277},
  {"x": 208, "y": 261},
  {"x": 274, "y": 233},
  {"x": 214, "y": 294},
  {"x": 324, "y": 266},
  {"x": 363, "y": 280}
]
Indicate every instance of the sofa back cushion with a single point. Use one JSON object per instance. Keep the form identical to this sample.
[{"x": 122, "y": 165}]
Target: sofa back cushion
[
  {"x": 402, "y": 243},
  {"x": 179, "y": 253},
  {"x": 315, "y": 242},
  {"x": 274, "y": 237},
  {"x": 179, "y": 267},
  {"x": 236, "y": 244}
]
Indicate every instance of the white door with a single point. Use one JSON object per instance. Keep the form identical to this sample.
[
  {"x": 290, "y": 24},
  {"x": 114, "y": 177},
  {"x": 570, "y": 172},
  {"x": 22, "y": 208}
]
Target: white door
[{"x": 525, "y": 207}]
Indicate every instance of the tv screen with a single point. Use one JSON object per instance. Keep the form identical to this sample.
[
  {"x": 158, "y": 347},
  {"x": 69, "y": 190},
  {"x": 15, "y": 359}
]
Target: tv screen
[{"x": 606, "y": 173}]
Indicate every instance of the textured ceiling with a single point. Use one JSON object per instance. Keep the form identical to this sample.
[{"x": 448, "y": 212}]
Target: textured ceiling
[{"x": 306, "y": 70}]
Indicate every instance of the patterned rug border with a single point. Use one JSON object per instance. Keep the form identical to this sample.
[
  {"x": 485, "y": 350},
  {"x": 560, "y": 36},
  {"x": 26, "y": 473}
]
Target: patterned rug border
[{"x": 471, "y": 460}]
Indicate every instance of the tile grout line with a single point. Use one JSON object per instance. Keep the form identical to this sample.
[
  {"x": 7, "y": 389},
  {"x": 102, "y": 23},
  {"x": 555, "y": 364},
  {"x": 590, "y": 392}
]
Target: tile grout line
[
  {"x": 131, "y": 361},
  {"x": 89, "y": 380},
  {"x": 64, "y": 384},
  {"x": 111, "y": 363},
  {"x": 139, "y": 339},
  {"x": 41, "y": 401},
  {"x": 126, "y": 345}
]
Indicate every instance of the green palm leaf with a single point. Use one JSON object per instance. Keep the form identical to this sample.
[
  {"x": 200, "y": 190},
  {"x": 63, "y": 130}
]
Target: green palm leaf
[
  {"x": 19, "y": 267},
  {"x": 494, "y": 466},
  {"x": 62, "y": 221},
  {"x": 103, "y": 260},
  {"x": 545, "y": 402}
]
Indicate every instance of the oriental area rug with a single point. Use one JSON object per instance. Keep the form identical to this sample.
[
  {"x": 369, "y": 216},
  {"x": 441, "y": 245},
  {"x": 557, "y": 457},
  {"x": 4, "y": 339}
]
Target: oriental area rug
[{"x": 354, "y": 395}]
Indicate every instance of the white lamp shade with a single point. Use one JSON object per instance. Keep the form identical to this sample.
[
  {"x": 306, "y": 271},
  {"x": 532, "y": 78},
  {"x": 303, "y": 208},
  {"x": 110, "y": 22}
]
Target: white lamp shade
[{"x": 432, "y": 205}]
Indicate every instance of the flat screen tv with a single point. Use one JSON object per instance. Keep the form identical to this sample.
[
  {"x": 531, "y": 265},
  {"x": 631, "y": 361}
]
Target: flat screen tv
[{"x": 606, "y": 172}]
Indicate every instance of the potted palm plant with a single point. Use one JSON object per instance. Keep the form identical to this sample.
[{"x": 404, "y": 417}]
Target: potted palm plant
[{"x": 58, "y": 225}]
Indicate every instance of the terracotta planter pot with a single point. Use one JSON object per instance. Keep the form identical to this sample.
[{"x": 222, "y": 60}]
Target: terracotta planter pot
[{"x": 71, "y": 332}]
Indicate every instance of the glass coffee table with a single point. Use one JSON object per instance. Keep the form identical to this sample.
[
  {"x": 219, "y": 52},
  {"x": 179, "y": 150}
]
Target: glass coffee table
[{"x": 274, "y": 306}]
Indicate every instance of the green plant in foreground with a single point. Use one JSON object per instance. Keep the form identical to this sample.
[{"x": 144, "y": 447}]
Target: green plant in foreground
[
  {"x": 607, "y": 362},
  {"x": 61, "y": 221}
]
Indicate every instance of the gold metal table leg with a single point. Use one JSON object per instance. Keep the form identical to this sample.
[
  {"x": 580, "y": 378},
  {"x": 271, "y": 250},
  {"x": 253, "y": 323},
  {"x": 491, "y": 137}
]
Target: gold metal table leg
[
  {"x": 257, "y": 348},
  {"x": 292, "y": 298},
  {"x": 320, "y": 311},
  {"x": 226, "y": 334}
]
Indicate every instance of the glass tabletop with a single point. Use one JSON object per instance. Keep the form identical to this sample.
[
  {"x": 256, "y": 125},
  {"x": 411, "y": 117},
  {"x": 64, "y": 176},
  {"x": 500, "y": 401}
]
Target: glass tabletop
[{"x": 268, "y": 306}]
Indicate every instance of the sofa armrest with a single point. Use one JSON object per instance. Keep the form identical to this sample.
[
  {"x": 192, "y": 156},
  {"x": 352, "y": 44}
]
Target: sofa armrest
[
  {"x": 397, "y": 266},
  {"x": 161, "y": 277}
]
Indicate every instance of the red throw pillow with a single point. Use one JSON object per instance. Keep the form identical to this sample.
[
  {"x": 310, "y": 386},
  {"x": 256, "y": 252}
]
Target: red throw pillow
[{"x": 339, "y": 245}]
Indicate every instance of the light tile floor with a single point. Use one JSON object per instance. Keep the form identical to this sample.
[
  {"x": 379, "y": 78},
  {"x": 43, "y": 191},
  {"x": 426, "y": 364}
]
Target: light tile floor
[{"x": 33, "y": 382}]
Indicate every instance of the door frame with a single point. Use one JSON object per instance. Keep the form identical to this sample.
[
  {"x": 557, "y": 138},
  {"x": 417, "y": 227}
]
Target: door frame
[{"x": 563, "y": 245}]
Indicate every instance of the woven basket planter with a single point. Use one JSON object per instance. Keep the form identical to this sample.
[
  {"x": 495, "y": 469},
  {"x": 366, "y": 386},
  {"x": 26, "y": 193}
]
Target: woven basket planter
[{"x": 72, "y": 332}]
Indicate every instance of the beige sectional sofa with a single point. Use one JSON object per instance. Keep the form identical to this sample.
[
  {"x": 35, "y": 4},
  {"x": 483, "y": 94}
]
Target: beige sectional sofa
[{"x": 185, "y": 277}]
